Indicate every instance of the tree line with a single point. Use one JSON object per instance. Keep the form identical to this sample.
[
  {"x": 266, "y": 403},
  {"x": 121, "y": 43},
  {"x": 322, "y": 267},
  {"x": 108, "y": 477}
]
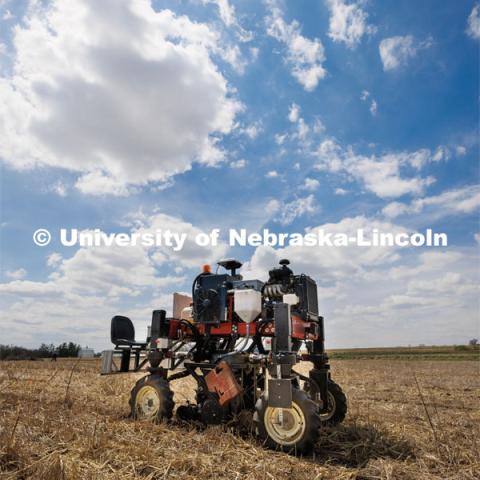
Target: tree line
[{"x": 13, "y": 352}]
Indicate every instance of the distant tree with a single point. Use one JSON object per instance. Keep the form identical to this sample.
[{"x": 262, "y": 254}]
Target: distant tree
[
  {"x": 473, "y": 342},
  {"x": 73, "y": 349},
  {"x": 12, "y": 352},
  {"x": 45, "y": 350}
]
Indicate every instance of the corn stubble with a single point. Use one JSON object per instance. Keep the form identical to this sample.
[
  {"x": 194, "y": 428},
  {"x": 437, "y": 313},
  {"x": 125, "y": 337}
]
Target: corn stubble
[{"x": 407, "y": 420}]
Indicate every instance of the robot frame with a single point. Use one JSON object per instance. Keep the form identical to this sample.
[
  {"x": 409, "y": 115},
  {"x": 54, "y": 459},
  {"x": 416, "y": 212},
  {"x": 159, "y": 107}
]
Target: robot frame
[{"x": 240, "y": 340}]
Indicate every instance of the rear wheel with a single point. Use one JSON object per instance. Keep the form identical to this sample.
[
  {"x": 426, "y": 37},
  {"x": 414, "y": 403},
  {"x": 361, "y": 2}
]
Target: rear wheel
[
  {"x": 151, "y": 399},
  {"x": 294, "y": 429}
]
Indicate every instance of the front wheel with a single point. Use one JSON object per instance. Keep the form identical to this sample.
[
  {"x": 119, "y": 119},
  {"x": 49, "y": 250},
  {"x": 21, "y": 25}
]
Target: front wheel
[
  {"x": 294, "y": 429},
  {"x": 151, "y": 399}
]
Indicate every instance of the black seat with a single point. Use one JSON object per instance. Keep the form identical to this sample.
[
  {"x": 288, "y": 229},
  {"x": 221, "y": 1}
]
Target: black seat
[{"x": 122, "y": 333}]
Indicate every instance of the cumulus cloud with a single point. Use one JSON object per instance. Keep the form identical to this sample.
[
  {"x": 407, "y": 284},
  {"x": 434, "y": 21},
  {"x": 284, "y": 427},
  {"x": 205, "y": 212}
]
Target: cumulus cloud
[
  {"x": 382, "y": 174},
  {"x": 340, "y": 262},
  {"x": 294, "y": 113},
  {"x": 16, "y": 274},
  {"x": 84, "y": 290},
  {"x": 348, "y": 22},
  {"x": 310, "y": 184},
  {"x": 395, "y": 52},
  {"x": 116, "y": 91},
  {"x": 473, "y": 23},
  {"x": 304, "y": 56},
  {"x": 451, "y": 202},
  {"x": 424, "y": 291}
]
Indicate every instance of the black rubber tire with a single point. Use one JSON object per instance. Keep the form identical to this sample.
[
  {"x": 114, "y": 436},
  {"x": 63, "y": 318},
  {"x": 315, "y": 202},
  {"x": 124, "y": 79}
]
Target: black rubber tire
[
  {"x": 340, "y": 405},
  {"x": 309, "y": 437},
  {"x": 159, "y": 390}
]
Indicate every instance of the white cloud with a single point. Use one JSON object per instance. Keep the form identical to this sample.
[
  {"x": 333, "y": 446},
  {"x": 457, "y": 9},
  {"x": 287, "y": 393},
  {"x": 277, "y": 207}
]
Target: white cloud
[
  {"x": 238, "y": 163},
  {"x": 340, "y": 191},
  {"x": 299, "y": 207},
  {"x": 318, "y": 126},
  {"x": 373, "y": 104},
  {"x": 381, "y": 175},
  {"x": 272, "y": 207},
  {"x": 16, "y": 274},
  {"x": 348, "y": 22},
  {"x": 272, "y": 174},
  {"x": 302, "y": 129},
  {"x": 67, "y": 306},
  {"x": 395, "y": 52},
  {"x": 95, "y": 89},
  {"x": 59, "y": 188},
  {"x": 365, "y": 94},
  {"x": 304, "y": 56},
  {"x": 473, "y": 25},
  {"x": 441, "y": 153},
  {"x": 54, "y": 259},
  {"x": 294, "y": 112},
  {"x": 394, "y": 209},
  {"x": 310, "y": 184},
  {"x": 460, "y": 150},
  {"x": 225, "y": 10},
  {"x": 227, "y": 13},
  {"x": 99, "y": 183},
  {"x": 279, "y": 139},
  {"x": 332, "y": 263},
  {"x": 252, "y": 131},
  {"x": 451, "y": 202},
  {"x": 424, "y": 291}
]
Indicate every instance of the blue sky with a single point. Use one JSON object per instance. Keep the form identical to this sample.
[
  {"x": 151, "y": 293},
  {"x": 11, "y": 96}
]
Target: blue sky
[{"x": 219, "y": 114}]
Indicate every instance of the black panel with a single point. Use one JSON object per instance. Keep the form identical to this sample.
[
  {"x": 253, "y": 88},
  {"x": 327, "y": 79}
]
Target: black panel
[
  {"x": 283, "y": 328},
  {"x": 280, "y": 393},
  {"x": 306, "y": 290},
  {"x": 210, "y": 299},
  {"x": 160, "y": 325}
]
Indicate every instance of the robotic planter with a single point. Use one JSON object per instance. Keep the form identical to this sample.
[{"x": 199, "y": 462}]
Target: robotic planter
[{"x": 240, "y": 340}]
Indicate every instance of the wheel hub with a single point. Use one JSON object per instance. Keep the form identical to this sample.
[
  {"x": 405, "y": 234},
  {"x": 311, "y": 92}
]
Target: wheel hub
[
  {"x": 147, "y": 402},
  {"x": 285, "y": 425}
]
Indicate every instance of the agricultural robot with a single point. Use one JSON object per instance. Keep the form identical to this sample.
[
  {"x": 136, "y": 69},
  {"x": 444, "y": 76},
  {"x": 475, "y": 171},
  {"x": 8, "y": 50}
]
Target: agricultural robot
[{"x": 240, "y": 340}]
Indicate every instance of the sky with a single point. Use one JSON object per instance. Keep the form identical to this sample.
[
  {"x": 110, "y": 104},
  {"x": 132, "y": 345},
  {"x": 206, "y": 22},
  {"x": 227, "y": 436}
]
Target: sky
[{"x": 131, "y": 116}]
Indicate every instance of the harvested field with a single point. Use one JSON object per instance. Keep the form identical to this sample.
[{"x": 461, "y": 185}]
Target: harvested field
[{"x": 407, "y": 420}]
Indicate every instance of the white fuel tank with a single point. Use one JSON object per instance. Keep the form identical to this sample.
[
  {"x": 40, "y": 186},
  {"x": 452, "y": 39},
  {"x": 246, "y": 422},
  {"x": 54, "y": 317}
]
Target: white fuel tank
[{"x": 248, "y": 304}]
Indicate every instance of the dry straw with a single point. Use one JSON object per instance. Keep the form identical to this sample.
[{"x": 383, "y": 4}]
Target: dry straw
[{"x": 63, "y": 421}]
